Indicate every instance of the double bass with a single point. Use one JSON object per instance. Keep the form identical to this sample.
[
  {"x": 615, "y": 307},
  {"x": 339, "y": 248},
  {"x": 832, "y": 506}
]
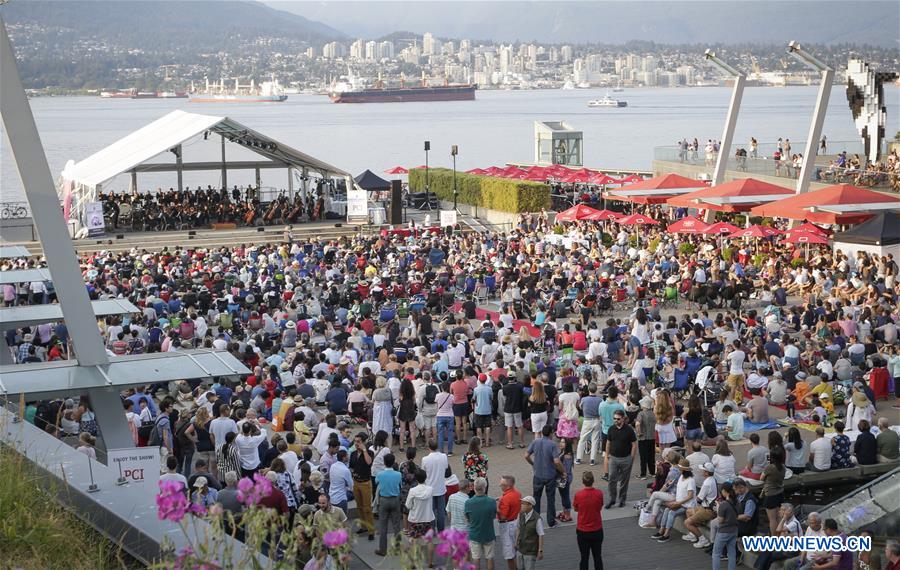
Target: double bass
[
  {"x": 295, "y": 211},
  {"x": 270, "y": 213},
  {"x": 251, "y": 214}
]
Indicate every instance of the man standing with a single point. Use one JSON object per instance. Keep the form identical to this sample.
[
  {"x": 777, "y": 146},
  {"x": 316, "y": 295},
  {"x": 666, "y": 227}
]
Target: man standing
[
  {"x": 435, "y": 465},
  {"x": 621, "y": 447},
  {"x": 513, "y": 395},
  {"x": 591, "y": 428},
  {"x": 480, "y": 511},
  {"x": 388, "y": 482},
  {"x": 341, "y": 481},
  {"x": 607, "y": 410},
  {"x": 508, "y": 506},
  {"x": 530, "y": 534},
  {"x": 361, "y": 467},
  {"x": 589, "y": 529},
  {"x": 483, "y": 396},
  {"x": 456, "y": 506},
  {"x": 543, "y": 456},
  {"x": 221, "y": 426}
]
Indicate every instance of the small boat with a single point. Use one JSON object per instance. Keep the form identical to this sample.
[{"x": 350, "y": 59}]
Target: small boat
[
  {"x": 618, "y": 89},
  {"x": 607, "y": 102}
]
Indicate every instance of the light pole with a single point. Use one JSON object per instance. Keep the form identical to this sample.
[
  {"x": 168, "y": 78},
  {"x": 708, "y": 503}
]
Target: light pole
[
  {"x": 815, "y": 128},
  {"x": 427, "y": 197},
  {"x": 454, "y": 150}
]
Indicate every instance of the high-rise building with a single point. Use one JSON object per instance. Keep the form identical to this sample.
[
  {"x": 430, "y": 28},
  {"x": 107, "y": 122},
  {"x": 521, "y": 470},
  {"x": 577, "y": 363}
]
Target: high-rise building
[
  {"x": 565, "y": 54},
  {"x": 333, "y": 50},
  {"x": 371, "y": 51},
  {"x": 633, "y": 61},
  {"x": 449, "y": 48},
  {"x": 385, "y": 50},
  {"x": 357, "y": 50},
  {"x": 506, "y": 59},
  {"x": 428, "y": 44},
  {"x": 579, "y": 71},
  {"x": 685, "y": 74},
  {"x": 310, "y": 52},
  {"x": 649, "y": 64}
]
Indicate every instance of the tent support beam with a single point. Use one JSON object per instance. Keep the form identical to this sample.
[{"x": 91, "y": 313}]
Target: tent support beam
[
  {"x": 134, "y": 186},
  {"x": 179, "y": 167},
  {"x": 290, "y": 173},
  {"x": 224, "y": 165},
  {"x": 199, "y": 166},
  {"x": 258, "y": 179}
]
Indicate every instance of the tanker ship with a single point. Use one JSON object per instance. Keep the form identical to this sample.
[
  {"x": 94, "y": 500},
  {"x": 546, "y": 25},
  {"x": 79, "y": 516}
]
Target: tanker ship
[{"x": 403, "y": 94}]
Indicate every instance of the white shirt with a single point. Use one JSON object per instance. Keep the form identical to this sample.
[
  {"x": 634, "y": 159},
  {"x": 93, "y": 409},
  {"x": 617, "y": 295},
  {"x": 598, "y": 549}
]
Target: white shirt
[
  {"x": 290, "y": 460},
  {"x": 820, "y": 449},
  {"x": 708, "y": 491},
  {"x": 597, "y": 349},
  {"x": 684, "y": 487},
  {"x": 177, "y": 477},
  {"x": 736, "y": 361},
  {"x": 724, "y": 467},
  {"x": 248, "y": 447},
  {"x": 220, "y": 427},
  {"x": 435, "y": 465}
]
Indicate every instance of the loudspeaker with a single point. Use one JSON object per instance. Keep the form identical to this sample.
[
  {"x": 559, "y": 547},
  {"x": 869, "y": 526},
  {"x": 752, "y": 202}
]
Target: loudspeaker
[
  {"x": 427, "y": 145},
  {"x": 192, "y": 233},
  {"x": 338, "y": 225},
  {"x": 396, "y": 217},
  {"x": 120, "y": 236},
  {"x": 260, "y": 229}
]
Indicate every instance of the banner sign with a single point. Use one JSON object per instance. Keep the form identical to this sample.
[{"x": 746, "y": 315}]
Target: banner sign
[
  {"x": 357, "y": 203},
  {"x": 138, "y": 465},
  {"x": 93, "y": 213},
  {"x": 448, "y": 218}
]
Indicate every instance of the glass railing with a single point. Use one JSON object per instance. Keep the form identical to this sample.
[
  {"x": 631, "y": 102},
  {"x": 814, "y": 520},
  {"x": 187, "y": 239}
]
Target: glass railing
[
  {"x": 875, "y": 507},
  {"x": 764, "y": 165}
]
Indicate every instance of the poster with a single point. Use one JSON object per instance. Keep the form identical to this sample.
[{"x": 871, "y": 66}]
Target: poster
[
  {"x": 94, "y": 222},
  {"x": 357, "y": 204},
  {"x": 448, "y": 218},
  {"x": 139, "y": 465}
]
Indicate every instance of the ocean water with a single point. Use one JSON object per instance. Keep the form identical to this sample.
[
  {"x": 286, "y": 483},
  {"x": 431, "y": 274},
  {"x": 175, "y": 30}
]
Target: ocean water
[{"x": 496, "y": 128}]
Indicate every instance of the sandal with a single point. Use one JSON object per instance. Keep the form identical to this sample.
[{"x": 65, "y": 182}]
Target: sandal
[{"x": 510, "y": 447}]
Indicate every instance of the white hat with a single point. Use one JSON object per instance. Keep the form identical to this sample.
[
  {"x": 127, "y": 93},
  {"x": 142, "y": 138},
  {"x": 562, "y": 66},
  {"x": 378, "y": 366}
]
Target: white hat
[{"x": 200, "y": 482}]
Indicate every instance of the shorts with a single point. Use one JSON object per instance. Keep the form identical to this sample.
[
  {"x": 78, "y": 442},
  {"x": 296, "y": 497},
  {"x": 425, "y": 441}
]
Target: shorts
[
  {"x": 418, "y": 530},
  {"x": 428, "y": 422},
  {"x": 512, "y": 420},
  {"x": 482, "y": 421},
  {"x": 538, "y": 421},
  {"x": 479, "y": 550},
  {"x": 507, "y": 538},
  {"x": 773, "y": 502},
  {"x": 701, "y": 516},
  {"x": 460, "y": 410},
  {"x": 693, "y": 434}
]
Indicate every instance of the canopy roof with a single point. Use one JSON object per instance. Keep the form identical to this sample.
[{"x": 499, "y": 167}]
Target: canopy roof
[
  {"x": 849, "y": 204},
  {"x": 656, "y": 190},
  {"x": 174, "y": 129},
  {"x": 883, "y": 229},
  {"x": 368, "y": 180},
  {"x": 735, "y": 196},
  {"x": 688, "y": 225}
]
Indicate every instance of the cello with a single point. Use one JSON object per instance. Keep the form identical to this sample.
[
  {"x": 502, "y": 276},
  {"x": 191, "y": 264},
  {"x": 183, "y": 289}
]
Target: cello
[
  {"x": 270, "y": 213},
  {"x": 295, "y": 211},
  {"x": 250, "y": 216}
]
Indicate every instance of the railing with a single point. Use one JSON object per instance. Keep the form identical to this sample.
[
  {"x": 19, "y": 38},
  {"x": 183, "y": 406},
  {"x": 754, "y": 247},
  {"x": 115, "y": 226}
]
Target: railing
[
  {"x": 764, "y": 165},
  {"x": 874, "y": 506},
  {"x": 14, "y": 210}
]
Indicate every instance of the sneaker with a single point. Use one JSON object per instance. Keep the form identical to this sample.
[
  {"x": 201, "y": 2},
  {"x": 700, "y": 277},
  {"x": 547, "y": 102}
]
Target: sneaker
[
  {"x": 450, "y": 454},
  {"x": 663, "y": 539},
  {"x": 593, "y": 463},
  {"x": 605, "y": 477},
  {"x": 688, "y": 537},
  {"x": 577, "y": 462},
  {"x": 702, "y": 542},
  {"x": 657, "y": 534}
]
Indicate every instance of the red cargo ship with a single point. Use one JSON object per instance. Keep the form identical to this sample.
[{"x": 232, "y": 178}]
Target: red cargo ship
[{"x": 407, "y": 94}]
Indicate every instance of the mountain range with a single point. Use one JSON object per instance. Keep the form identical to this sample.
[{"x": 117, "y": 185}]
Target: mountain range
[{"x": 872, "y": 22}]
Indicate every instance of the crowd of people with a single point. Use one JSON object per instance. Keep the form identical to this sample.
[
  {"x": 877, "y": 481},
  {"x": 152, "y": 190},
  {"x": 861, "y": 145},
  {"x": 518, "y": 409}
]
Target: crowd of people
[{"x": 372, "y": 364}]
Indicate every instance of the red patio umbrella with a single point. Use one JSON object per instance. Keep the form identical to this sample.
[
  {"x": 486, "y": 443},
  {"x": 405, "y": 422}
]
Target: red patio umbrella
[
  {"x": 397, "y": 170},
  {"x": 721, "y": 228},
  {"x": 755, "y": 231},
  {"x": 798, "y": 237},
  {"x": 601, "y": 178},
  {"x": 655, "y": 190},
  {"x": 574, "y": 178},
  {"x": 477, "y": 171},
  {"x": 577, "y": 212},
  {"x": 812, "y": 206},
  {"x": 604, "y": 216},
  {"x": 813, "y": 229},
  {"x": 688, "y": 225},
  {"x": 637, "y": 220}
]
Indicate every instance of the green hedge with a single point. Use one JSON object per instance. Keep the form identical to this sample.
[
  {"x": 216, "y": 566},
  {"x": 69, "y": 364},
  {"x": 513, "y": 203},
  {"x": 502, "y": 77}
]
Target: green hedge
[{"x": 500, "y": 194}]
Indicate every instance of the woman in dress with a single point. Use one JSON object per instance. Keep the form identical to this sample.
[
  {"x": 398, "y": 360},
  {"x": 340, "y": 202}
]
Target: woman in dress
[
  {"x": 406, "y": 415},
  {"x": 382, "y": 420},
  {"x": 475, "y": 463},
  {"x": 567, "y": 428},
  {"x": 665, "y": 419}
]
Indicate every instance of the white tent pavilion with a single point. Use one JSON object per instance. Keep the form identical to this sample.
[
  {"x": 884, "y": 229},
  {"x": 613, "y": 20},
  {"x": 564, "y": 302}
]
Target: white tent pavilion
[{"x": 82, "y": 182}]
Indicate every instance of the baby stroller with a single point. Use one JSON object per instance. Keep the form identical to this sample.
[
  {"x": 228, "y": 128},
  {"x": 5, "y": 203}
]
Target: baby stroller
[{"x": 708, "y": 384}]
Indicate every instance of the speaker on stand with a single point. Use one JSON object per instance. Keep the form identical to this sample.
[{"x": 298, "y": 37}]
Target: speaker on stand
[{"x": 396, "y": 215}]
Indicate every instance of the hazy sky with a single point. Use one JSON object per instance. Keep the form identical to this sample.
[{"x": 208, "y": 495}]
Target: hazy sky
[{"x": 680, "y": 21}]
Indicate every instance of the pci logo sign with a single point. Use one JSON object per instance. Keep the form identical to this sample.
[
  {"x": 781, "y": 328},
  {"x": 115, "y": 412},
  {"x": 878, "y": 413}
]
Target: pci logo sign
[{"x": 139, "y": 465}]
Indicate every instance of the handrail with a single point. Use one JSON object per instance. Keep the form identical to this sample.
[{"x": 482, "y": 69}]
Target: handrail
[{"x": 863, "y": 506}]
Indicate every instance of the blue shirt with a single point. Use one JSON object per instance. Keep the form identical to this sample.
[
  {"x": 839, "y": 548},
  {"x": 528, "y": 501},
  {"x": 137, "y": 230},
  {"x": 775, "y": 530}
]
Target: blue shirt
[
  {"x": 606, "y": 411},
  {"x": 136, "y": 398},
  {"x": 591, "y": 407},
  {"x": 388, "y": 482},
  {"x": 544, "y": 453},
  {"x": 341, "y": 482},
  {"x": 483, "y": 397}
]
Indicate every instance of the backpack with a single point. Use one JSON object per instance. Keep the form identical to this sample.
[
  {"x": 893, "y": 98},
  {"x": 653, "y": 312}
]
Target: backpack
[
  {"x": 155, "y": 439},
  {"x": 431, "y": 392}
]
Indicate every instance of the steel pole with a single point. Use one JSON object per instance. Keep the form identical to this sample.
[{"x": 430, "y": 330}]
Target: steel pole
[{"x": 815, "y": 131}]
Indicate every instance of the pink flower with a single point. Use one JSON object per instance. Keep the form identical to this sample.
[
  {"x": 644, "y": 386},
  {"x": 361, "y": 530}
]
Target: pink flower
[
  {"x": 252, "y": 492},
  {"x": 466, "y": 566},
  {"x": 171, "y": 503},
  {"x": 198, "y": 510},
  {"x": 335, "y": 538}
]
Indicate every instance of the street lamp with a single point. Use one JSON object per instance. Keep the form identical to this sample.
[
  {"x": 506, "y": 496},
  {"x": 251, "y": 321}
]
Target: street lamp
[
  {"x": 454, "y": 150},
  {"x": 427, "y": 197},
  {"x": 818, "y": 119},
  {"x": 731, "y": 120}
]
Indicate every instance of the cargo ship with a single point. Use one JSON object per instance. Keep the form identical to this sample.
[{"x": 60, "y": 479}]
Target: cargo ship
[
  {"x": 350, "y": 93},
  {"x": 135, "y": 94},
  {"x": 265, "y": 92}
]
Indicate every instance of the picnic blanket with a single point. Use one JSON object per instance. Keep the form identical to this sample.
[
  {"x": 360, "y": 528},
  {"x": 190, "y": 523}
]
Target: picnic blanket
[
  {"x": 750, "y": 426},
  {"x": 803, "y": 424}
]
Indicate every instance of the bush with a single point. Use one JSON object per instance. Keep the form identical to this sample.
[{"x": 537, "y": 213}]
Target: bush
[
  {"x": 759, "y": 259},
  {"x": 607, "y": 239},
  {"x": 500, "y": 194},
  {"x": 799, "y": 262},
  {"x": 654, "y": 243},
  {"x": 727, "y": 253},
  {"x": 686, "y": 249}
]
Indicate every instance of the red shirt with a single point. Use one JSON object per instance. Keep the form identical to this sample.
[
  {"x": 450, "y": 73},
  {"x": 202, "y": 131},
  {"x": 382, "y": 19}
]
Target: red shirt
[
  {"x": 589, "y": 504},
  {"x": 509, "y": 505}
]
